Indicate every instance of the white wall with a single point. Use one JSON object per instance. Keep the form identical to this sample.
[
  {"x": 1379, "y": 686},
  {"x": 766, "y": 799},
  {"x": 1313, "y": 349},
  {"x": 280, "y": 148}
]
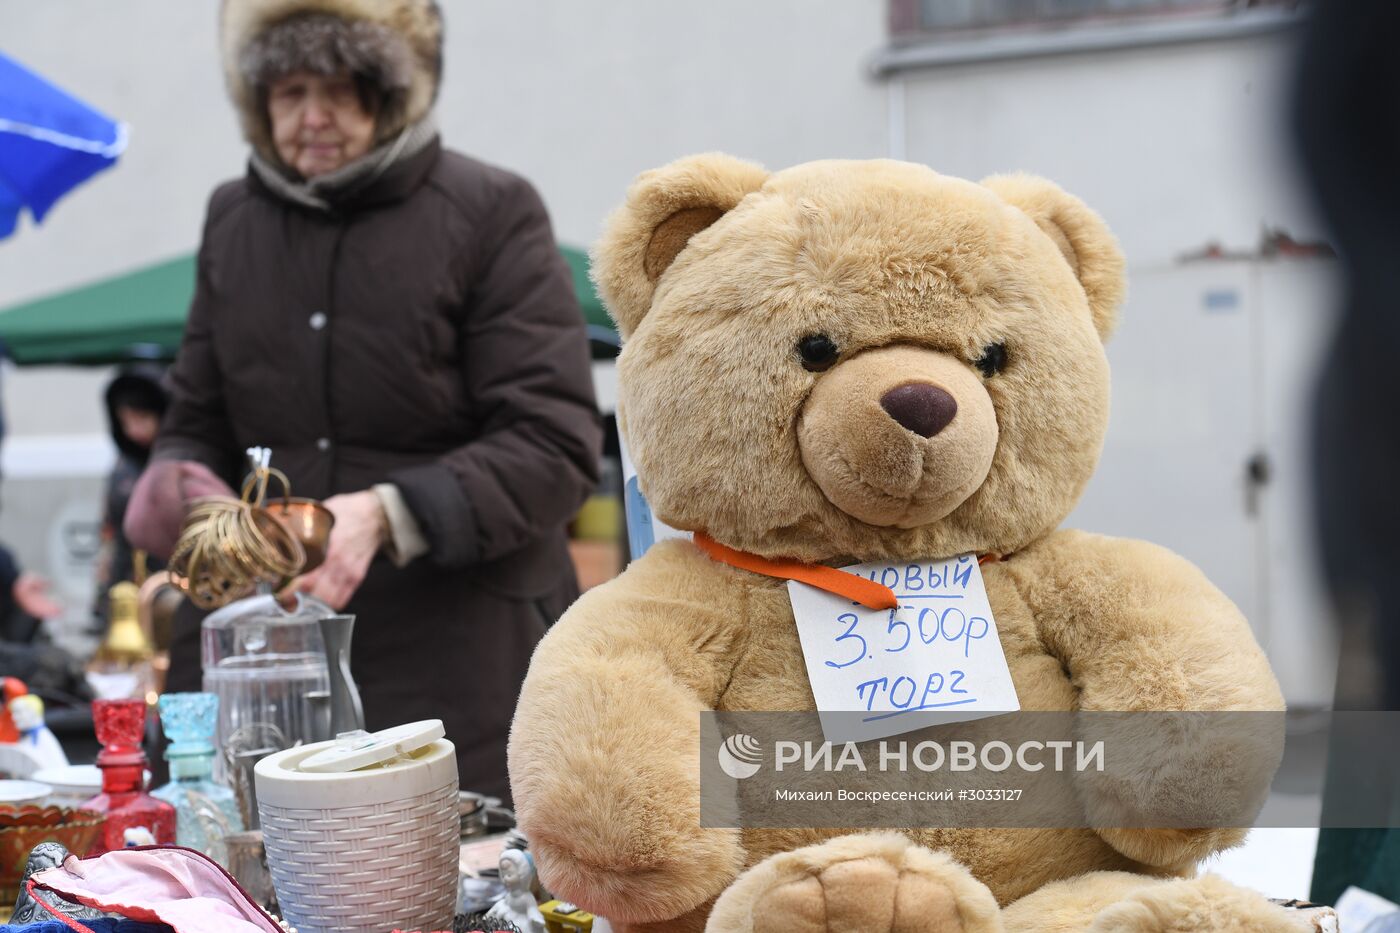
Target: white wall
[
  {"x": 1176, "y": 146},
  {"x": 583, "y": 96}
]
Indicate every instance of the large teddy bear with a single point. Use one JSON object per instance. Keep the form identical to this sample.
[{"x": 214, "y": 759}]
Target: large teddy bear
[{"x": 846, "y": 362}]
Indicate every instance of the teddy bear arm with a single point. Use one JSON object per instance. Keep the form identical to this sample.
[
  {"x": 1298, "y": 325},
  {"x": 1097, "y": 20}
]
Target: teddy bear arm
[
  {"x": 1139, "y": 629},
  {"x": 604, "y": 749}
]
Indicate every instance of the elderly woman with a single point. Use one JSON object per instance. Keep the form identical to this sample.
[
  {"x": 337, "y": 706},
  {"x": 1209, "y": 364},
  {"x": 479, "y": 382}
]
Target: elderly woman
[{"x": 395, "y": 321}]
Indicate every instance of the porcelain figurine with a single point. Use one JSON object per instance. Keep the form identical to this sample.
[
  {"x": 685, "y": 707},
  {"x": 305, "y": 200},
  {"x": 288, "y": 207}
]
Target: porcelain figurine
[
  {"x": 518, "y": 906},
  {"x": 27, "y": 713}
]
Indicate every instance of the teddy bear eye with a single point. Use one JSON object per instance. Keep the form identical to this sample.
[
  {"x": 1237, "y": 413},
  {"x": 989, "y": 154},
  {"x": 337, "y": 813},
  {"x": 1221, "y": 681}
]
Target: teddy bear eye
[
  {"x": 992, "y": 360},
  {"x": 818, "y": 352}
]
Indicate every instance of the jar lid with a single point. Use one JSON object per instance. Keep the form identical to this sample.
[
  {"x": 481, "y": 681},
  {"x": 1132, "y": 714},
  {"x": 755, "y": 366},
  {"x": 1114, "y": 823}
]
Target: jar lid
[
  {"x": 267, "y": 607},
  {"x": 363, "y": 750}
]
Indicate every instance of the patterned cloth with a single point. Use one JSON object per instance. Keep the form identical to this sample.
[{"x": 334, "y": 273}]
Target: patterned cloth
[{"x": 103, "y": 925}]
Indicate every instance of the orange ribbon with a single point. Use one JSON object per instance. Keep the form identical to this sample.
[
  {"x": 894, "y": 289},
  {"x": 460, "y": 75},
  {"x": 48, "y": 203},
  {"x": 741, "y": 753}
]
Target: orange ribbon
[
  {"x": 868, "y": 593},
  {"x": 858, "y": 589}
]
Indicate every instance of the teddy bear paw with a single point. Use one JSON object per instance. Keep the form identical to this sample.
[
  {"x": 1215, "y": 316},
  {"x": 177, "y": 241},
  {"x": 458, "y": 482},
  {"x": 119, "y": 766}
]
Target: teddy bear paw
[
  {"x": 1208, "y": 904},
  {"x": 880, "y": 882}
]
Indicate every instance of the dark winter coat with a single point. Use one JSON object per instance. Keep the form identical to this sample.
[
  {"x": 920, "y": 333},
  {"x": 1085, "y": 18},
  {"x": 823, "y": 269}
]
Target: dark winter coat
[{"x": 425, "y": 333}]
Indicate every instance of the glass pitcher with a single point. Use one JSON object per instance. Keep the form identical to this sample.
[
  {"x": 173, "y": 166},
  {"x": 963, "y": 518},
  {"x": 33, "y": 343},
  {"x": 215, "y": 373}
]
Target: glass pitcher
[{"x": 267, "y": 665}]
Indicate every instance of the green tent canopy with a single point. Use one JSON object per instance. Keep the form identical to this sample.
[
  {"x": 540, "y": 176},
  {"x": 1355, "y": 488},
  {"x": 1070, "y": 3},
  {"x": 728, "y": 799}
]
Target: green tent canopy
[{"x": 143, "y": 313}]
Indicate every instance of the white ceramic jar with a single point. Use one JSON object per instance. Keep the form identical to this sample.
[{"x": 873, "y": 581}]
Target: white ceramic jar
[{"x": 362, "y": 835}]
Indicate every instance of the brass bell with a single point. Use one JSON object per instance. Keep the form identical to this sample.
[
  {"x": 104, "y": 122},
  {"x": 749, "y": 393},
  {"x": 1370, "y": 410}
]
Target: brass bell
[{"x": 126, "y": 642}]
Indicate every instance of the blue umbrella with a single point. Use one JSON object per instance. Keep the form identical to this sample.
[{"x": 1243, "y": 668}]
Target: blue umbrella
[{"x": 50, "y": 142}]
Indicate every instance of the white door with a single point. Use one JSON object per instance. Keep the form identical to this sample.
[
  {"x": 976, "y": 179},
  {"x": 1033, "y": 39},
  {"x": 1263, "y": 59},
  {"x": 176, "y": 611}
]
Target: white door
[
  {"x": 1208, "y": 448},
  {"x": 1297, "y": 300},
  {"x": 1181, "y": 432}
]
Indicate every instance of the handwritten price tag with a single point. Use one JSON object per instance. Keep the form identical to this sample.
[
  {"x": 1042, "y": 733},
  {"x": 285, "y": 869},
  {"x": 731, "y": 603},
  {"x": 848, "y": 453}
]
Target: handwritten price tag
[{"x": 880, "y": 672}]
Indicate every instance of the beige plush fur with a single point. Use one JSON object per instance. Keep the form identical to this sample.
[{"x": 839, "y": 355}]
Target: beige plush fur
[
  {"x": 417, "y": 23},
  {"x": 1078, "y": 232},
  {"x": 836, "y": 885},
  {"x": 872, "y": 254},
  {"x": 881, "y": 881},
  {"x": 912, "y": 275}
]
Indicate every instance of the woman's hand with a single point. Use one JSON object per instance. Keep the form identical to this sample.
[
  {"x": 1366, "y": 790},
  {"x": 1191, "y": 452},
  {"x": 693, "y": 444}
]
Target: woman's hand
[
  {"x": 360, "y": 528},
  {"x": 31, "y": 594},
  {"x": 160, "y": 500}
]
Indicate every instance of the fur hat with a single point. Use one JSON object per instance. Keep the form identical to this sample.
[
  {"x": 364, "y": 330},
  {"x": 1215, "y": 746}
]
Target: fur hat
[{"x": 394, "y": 45}]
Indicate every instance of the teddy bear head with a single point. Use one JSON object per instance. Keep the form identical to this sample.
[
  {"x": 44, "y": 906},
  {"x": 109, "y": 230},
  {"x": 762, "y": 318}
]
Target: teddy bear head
[{"x": 859, "y": 359}]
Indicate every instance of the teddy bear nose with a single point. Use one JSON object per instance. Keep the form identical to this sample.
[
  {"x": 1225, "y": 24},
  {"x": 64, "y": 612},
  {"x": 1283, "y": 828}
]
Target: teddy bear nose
[{"x": 922, "y": 408}]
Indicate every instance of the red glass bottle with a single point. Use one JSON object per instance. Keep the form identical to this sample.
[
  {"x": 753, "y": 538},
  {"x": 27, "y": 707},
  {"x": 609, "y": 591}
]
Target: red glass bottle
[{"x": 120, "y": 726}]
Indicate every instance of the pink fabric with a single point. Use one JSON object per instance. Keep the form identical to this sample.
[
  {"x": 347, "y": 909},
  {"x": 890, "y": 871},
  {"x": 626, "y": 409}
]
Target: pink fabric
[
  {"x": 177, "y": 886},
  {"x": 157, "y": 506}
]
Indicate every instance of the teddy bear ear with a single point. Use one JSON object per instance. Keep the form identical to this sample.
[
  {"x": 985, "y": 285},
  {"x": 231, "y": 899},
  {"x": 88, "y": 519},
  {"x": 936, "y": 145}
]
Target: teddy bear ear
[
  {"x": 1082, "y": 236},
  {"x": 665, "y": 207}
]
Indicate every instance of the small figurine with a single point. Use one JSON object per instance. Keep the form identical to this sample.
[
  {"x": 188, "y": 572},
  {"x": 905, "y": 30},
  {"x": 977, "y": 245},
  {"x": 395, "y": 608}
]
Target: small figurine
[
  {"x": 27, "y": 713},
  {"x": 518, "y": 906},
  {"x": 10, "y": 687},
  {"x": 137, "y": 836}
]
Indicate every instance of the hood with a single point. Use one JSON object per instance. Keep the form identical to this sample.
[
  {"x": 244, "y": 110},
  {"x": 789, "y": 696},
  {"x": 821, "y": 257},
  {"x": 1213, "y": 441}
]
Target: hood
[
  {"x": 396, "y": 44},
  {"x": 139, "y": 385}
]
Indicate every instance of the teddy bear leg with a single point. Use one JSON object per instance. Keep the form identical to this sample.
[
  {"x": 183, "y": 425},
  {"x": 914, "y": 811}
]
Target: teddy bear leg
[
  {"x": 869, "y": 883},
  {"x": 1122, "y": 902}
]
